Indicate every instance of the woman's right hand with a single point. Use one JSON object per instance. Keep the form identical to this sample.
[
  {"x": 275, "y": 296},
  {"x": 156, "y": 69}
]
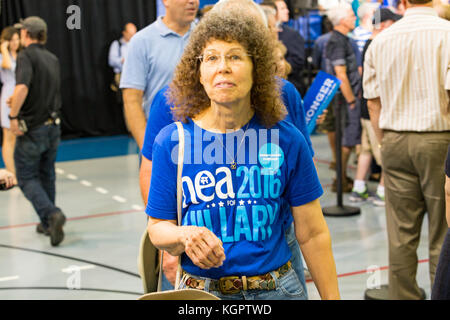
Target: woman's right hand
[{"x": 203, "y": 247}]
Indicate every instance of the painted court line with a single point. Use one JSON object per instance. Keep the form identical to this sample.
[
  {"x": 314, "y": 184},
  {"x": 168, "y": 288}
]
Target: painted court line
[
  {"x": 92, "y": 216},
  {"x": 342, "y": 275},
  {"x": 72, "y": 177},
  {"x": 119, "y": 199},
  {"x": 137, "y": 207},
  {"x": 9, "y": 278},
  {"x": 101, "y": 190},
  {"x": 72, "y": 269},
  {"x": 86, "y": 183},
  {"x": 367, "y": 271}
]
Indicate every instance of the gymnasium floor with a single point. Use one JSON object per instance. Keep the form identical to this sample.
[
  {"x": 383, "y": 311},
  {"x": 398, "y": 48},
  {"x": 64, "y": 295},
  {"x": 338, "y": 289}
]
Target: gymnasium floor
[{"x": 101, "y": 198}]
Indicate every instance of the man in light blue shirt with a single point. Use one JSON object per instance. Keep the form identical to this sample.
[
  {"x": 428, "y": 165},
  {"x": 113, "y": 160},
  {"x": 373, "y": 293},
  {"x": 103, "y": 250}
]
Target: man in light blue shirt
[
  {"x": 119, "y": 48},
  {"x": 153, "y": 54}
]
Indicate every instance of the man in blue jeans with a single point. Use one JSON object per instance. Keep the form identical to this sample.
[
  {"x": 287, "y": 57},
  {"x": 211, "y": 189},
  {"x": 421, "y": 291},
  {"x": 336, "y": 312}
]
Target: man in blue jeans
[{"x": 34, "y": 115}]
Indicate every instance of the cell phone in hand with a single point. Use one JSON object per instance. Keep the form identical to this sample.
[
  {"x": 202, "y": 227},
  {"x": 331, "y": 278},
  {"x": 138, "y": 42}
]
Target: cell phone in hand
[{"x": 23, "y": 126}]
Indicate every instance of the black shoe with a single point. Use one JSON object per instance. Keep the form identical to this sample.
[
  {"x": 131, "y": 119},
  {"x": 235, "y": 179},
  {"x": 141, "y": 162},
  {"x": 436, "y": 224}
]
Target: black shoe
[
  {"x": 40, "y": 229},
  {"x": 56, "y": 222}
]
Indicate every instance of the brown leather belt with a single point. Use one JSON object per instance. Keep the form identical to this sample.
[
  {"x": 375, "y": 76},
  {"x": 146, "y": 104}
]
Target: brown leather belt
[{"x": 234, "y": 284}]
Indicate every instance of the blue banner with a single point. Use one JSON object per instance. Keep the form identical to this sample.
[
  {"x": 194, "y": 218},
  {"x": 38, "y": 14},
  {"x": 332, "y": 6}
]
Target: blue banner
[{"x": 319, "y": 96}]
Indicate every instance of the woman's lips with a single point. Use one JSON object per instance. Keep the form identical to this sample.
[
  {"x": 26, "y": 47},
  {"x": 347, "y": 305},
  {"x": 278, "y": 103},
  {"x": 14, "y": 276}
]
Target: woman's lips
[{"x": 224, "y": 85}]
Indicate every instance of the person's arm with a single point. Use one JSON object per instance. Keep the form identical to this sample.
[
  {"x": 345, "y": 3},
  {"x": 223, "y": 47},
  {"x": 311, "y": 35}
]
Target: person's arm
[
  {"x": 16, "y": 102},
  {"x": 346, "y": 88},
  {"x": 201, "y": 245},
  {"x": 134, "y": 114},
  {"x": 114, "y": 58},
  {"x": 317, "y": 55},
  {"x": 447, "y": 200},
  {"x": 6, "y": 59},
  {"x": 6, "y": 178},
  {"x": 145, "y": 175},
  {"x": 371, "y": 89},
  {"x": 336, "y": 53},
  {"x": 302, "y": 192},
  {"x": 24, "y": 77},
  {"x": 314, "y": 239},
  {"x": 134, "y": 82},
  {"x": 159, "y": 117},
  {"x": 448, "y": 107},
  {"x": 374, "y": 106}
]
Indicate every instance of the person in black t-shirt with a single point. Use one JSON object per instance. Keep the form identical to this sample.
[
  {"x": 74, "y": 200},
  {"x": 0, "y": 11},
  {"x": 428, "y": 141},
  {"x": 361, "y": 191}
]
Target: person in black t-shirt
[
  {"x": 342, "y": 62},
  {"x": 295, "y": 45},
  {"x": 441, "y": 287},
  {"x": 34, "y": 115}
]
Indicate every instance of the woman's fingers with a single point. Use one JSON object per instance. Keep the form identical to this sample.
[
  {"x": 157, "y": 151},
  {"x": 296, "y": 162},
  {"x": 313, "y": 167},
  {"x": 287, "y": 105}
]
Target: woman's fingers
[
  {"x": 216, "y": 253},
  {"x": 204, "y": 248}
]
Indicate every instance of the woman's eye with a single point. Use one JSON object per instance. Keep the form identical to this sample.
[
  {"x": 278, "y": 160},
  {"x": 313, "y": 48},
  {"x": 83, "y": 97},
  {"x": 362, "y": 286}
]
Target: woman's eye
[{"x": 211, "y": 58}]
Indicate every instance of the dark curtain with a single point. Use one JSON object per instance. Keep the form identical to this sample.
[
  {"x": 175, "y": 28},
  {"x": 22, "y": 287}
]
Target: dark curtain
[{"x": 90, "y": 108}]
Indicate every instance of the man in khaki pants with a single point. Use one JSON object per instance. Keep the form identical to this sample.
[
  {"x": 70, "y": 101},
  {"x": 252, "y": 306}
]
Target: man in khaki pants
[{"x": 407, "y": 83}]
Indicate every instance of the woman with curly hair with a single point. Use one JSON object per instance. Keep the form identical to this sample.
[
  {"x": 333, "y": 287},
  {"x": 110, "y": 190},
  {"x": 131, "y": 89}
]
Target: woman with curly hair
[{"x": 231, "y": 239}]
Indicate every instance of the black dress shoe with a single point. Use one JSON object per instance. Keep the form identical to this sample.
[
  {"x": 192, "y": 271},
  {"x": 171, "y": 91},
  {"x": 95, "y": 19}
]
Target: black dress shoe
[
  {"x": 56, "y": 221},
  {"x": 40, "y": 229}
]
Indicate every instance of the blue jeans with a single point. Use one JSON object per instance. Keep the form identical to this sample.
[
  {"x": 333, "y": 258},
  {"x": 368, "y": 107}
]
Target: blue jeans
[
  {"x": 288, "y": 287},
  {"x": 34, "y": 156},
  {"x": 296, "y": 259}
]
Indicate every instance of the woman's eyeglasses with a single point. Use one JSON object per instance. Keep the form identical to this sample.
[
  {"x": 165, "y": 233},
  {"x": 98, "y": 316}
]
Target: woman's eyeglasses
[{"x": 214, "y": 58}]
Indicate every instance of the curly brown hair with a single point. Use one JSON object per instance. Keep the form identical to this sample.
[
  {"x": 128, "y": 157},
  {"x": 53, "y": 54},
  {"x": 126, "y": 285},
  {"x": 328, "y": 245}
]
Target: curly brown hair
[{"x": 187, "y": 94}]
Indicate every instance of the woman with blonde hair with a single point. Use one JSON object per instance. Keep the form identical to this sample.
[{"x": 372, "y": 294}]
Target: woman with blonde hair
[
  {"x": 283, "y": 67},
  {"x": 246, "y": 162},
  {"x": 9, "y": 46}
]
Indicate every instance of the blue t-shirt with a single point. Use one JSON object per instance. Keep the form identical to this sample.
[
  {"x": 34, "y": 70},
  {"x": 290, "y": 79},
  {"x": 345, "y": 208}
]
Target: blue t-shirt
[{"x": 241, "y": 206}]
